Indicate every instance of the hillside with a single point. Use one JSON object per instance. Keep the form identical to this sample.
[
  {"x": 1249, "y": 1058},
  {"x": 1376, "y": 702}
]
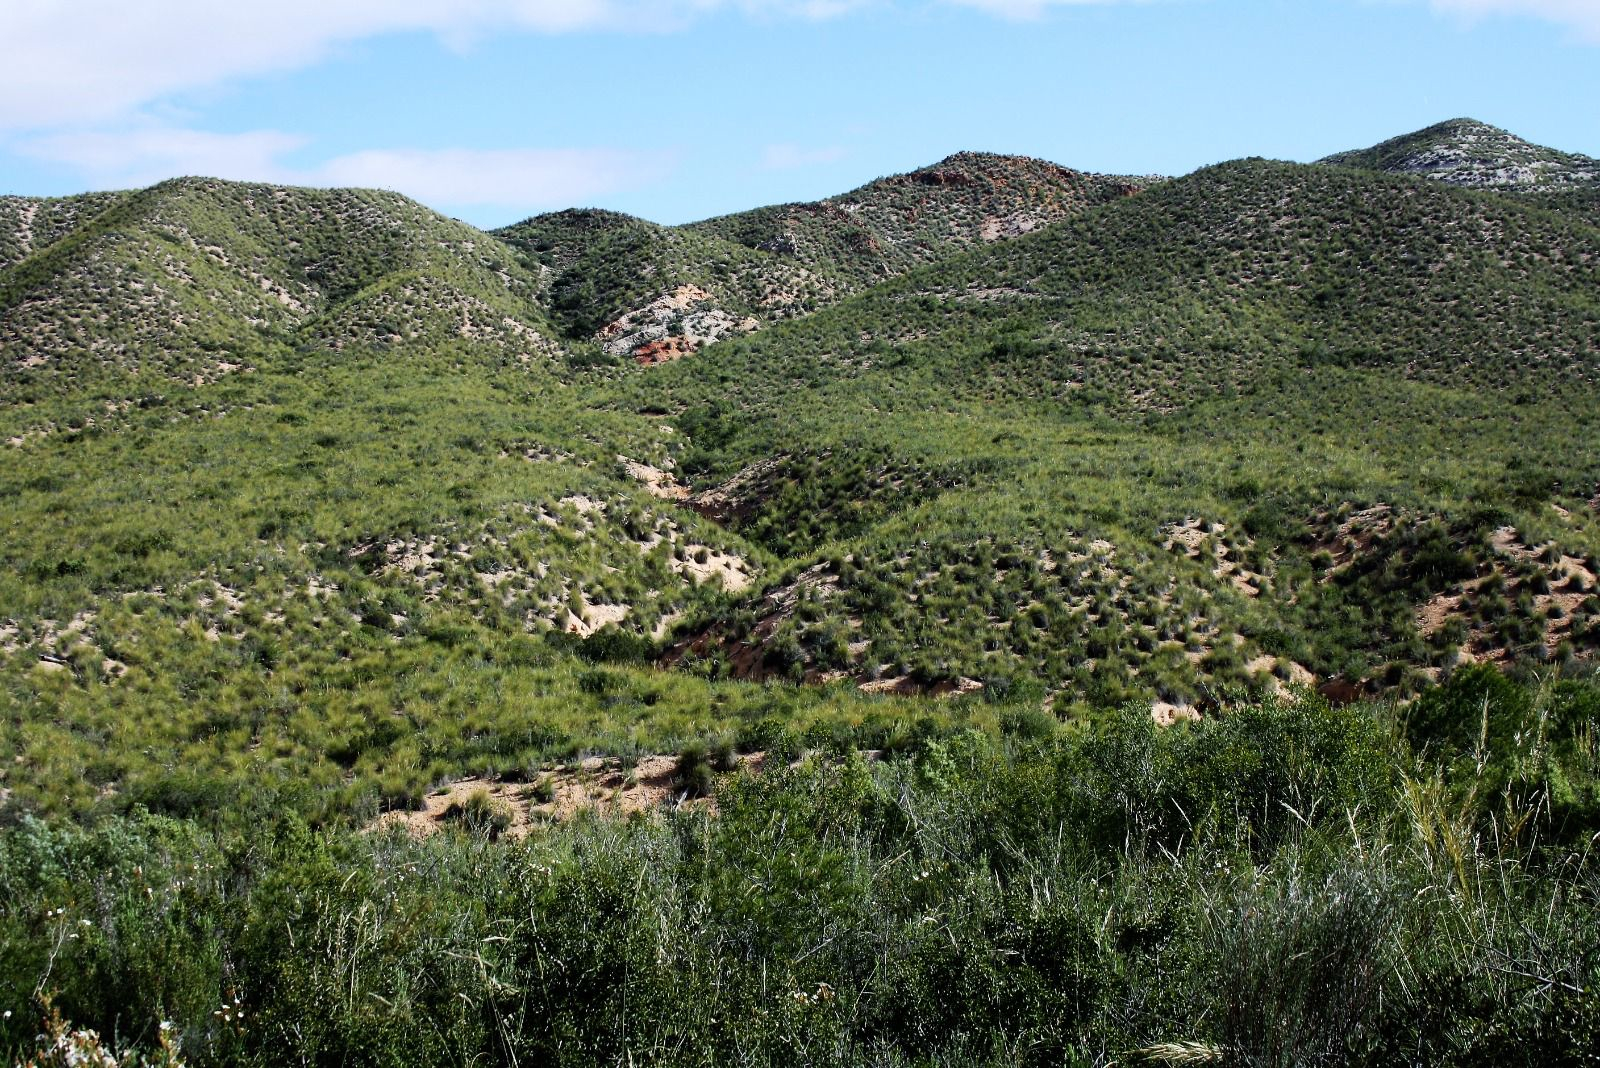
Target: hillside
[
  {"x": 1474, "y": 154},
  {"x": 1581, "y": 202},
  {"x": 1202, "y": 284},
  {"x": 1136, "y": 448},
  {"x": 1261, "y": 426},
  {"x": 28, "y": 224},
  {"x": 893, "y": 224},
  {"x": 656, "y": 293},
  {"x": 260, "y": 433},
  {"x": 196, "y": 278}
]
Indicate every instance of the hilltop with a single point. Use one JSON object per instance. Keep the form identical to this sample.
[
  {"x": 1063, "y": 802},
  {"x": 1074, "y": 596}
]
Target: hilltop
[
  {"x": 1474, "y": 154},
  {"x": 193, "y": 278}
]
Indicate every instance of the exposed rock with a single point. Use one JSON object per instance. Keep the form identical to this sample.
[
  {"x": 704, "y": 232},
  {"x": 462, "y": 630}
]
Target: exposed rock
[
  {"x": 740, "y": 494},
  {"x": 1166, "y": 714},
  {"x": 782, "y": 245},
  {"x": 672, "y": 325},
  {"x": 942, "y": 177},
  {"x": 1340, "y": 692},
  {"x": 1468, "y": 153}
]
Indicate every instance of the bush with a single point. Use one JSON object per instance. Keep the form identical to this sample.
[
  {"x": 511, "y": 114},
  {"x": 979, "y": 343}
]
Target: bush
[
  {"x": 480, "y": 814},
  {"x": 1476, "y": 706},
  {"x": 693, "y": 774}
]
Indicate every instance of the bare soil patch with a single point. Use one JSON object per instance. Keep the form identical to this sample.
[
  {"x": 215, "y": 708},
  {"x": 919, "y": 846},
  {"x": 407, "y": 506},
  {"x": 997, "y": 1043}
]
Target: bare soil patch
[{"x": 604, "y": 786}]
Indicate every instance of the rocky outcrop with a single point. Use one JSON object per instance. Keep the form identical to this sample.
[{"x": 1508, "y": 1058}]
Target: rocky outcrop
[
  {"x": 1474, "y": 154},
  {"x": 673, "y": 325}
]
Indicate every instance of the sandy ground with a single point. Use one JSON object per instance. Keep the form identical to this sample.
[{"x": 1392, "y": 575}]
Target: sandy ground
[{"x": 597, "y": 784}]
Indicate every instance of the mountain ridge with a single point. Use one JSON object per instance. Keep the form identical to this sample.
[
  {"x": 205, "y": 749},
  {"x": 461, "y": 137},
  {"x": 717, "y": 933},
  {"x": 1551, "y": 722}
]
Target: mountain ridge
[
  {"x": 190, "y": 268},
  {"x": 1010, "y": 619},
  {"x": 642, "y": 291}
]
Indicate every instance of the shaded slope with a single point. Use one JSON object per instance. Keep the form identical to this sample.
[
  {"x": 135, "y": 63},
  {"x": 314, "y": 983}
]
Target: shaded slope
[{"x": 655, "y": 292}]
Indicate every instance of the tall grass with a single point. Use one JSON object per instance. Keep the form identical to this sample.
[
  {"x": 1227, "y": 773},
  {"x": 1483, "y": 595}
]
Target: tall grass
[{"x": 1091, "y": 899}]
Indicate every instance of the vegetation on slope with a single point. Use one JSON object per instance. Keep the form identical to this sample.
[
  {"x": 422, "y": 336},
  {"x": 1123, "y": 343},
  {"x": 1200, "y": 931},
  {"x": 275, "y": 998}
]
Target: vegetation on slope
[
  {"x": 608, "y": 274},
  {"x": 1127, "y": 451},
  {"x": 193, "y": 279},
  {"x": 893, "y": 224},
  {"x": 31, "y": 223},
  {"x": 656, "y": 293}
]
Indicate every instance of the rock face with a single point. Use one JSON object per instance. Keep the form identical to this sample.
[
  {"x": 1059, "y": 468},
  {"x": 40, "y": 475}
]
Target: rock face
[
  {"x": 674, "y": 324},
  {"x": 1474, "y": 154},
  {"x": 939, "y": 176},
  {"x": 782, "y": 245}
]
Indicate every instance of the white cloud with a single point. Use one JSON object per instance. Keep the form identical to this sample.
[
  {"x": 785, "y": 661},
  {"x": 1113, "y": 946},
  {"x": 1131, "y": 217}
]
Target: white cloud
[
  {"x": 70, "y": 62},
  {"x": 521, "y": 177},
  {"x": 148, "y": 154},
  {"x": 75, "y": 61},
  {"x": 1021, "y": 10},
  {"x": 788, "y": 157},
  {"x": 1581, "y": 15}
]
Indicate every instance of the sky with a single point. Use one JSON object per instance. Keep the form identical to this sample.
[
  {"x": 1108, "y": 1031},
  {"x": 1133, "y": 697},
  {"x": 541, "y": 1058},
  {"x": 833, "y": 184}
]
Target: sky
[{"x": 493, "y": 110}]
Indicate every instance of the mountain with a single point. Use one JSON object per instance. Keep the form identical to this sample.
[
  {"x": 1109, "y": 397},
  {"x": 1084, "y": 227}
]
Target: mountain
[
  {"x": 893, "y": 224},
  {"x": 1474, "y": 154},
  {"x": 31, "y": 223},
  {"x": 996, "y": 616},
  {"x": 321, "y": 488},
  {"x": 286, "y": 421},
  {"x": 656, "y": 293},
  {"x": 1194, "y": 287}
]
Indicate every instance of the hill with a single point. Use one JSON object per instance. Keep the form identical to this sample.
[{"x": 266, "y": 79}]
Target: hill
[
  {"x": 195, "y": 278},
  {"x": 1474, "y": 154},
  {"x": 830, "y": 634},
  {"x": 888, "y": 226},
  {"x": 262, "y": 433},
  {"x": 656, "y": 293},
  {"x": 31, "y": 223},
  {"x": 1262, "y": 425},
  {"x": 1032, "y": 460}
]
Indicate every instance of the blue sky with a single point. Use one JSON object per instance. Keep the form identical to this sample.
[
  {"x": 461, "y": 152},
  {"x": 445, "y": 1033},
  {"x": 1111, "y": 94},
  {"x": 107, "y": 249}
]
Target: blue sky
[{"x": 492, "y": 110}]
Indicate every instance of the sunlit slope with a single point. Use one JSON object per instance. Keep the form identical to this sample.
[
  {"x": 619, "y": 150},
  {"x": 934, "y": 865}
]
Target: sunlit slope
[{"x": 1166, "y": 420}]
